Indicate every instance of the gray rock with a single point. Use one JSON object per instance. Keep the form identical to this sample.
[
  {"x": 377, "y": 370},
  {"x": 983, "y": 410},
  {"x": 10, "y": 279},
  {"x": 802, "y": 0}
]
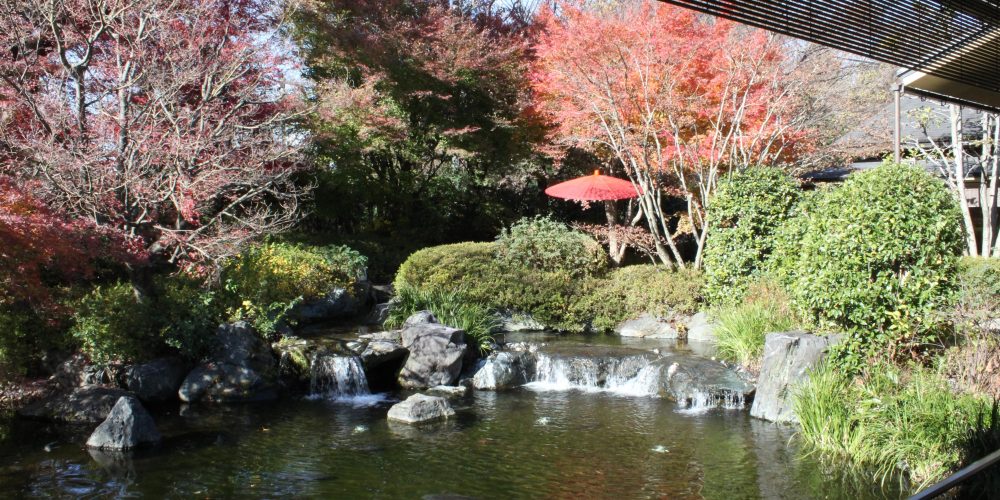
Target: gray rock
[
  {"x": 340, "y": 303},
  {"x": 421, "y": 408},
  {"x": 378, "y": 314},
  {"x": 242, "y": 368},
  {"x": 449, "y": 391},
  {"x": 381, "y": 352},
  {"x": 504, "y": 370},
  {"x": 700, "y": 329},
  {"x": 436, "y": 355},
  {"x": 226, "y": 383},
  {"x": 420, "y": 318},
  {"x": 156, "y": 381},
  {"x": 388, "y": 336},
  {"x": 648, "y": 326},
  {"x": 787, "y": 359},
  {"x": 84, "y": 405},
  {"x": 128, "y": 426},
  {"x": 697, "y": 381},
  {"x": 238, "y": 344}
]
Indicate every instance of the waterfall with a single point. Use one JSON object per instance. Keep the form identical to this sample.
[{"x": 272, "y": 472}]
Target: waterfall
[
  {"x": 629, "y": 375},
  {"x": 337, "y": 377},
  {"x": 701, "y": 401}
]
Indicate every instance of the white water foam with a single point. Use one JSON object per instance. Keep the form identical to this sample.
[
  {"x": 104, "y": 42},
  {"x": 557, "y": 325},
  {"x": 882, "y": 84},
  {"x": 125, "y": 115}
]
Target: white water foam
[{"x": 631, "y": 376}]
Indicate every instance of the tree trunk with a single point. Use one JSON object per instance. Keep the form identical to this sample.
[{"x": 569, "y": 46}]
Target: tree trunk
[
  {"x": 616, "y": 249},
  {"x": 957, "y": 144}
]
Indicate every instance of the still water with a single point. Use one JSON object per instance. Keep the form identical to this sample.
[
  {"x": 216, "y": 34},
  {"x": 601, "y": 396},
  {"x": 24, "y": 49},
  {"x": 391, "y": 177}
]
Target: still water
[{"x": 517, "y": 444}]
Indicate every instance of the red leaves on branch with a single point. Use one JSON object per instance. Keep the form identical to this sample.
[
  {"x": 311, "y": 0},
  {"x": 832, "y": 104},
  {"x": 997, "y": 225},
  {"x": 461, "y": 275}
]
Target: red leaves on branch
[
  {"x": 37, "y": 245},
  {"x": 170, "y": 123}
]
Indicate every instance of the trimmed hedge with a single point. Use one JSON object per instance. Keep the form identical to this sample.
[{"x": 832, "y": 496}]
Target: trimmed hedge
[
  {"x": 878, "y": 257},
  {"x": 559, "y": 299},
  {"x": 544, "y": 244},
  {"x": 743, "y": 214}
]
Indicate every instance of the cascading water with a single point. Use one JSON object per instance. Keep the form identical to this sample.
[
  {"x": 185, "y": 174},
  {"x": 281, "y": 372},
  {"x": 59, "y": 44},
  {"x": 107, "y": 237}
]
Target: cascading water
[
  {"x": 697, "y": 384},
  {"x": 337, "y": 377},
  {"x": 630, "y": 375}
]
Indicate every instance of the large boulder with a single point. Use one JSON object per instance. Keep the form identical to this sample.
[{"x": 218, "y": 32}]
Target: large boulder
[
  {"x": 83, "y": 405},
  {"x": 504, "y": 370},
  {"x": 380, "y": 353},
  {"x": 436, "y": 355},
  {"x": 156, "y": 381},
  {"x": 694, "y": 381},
  {"x": 226, "y": 383},
  {"x": 700, "y": 329},
  {"x": 420, "y": 408},
  {"x": 341, "y": 303},
  {"x": 242, "y": 368},
  {"x": 420, "y": 318},
  {"x": 788, "y": 357},
  {"x": 128, "y": 426},
  {"x": 648, "y": 326}
]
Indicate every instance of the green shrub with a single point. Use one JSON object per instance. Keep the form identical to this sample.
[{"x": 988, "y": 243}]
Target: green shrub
[
  {"x": 189, "y": 314},
  {"x": 630, "y": 291},
  {"x": 451, "y": 309},
  {"x": 266, "y": 280},
  {"x": 879, "y": 258},
  {"x": 447, "y": 266},
  {"x": 543, "y": 244},
  {"x": 743, "y": 327},
  {"x": 892, "y": 422},
  {"x": 743, "y": 215},
  {"x": 25, "y": 337},
  {"x": 111, "y": 325}
]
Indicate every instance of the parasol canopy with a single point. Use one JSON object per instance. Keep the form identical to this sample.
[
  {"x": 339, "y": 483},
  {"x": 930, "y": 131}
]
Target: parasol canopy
[{"x": 595, "y": 187}]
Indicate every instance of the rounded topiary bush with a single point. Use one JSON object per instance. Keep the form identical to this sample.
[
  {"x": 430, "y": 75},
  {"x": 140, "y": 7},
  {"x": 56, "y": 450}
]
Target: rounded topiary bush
[
  {"x": 628, "y": 292},
  {"x": 743, "y": 215},
  {"x": 447, "y": 266},
  {"x": 879, "y": 258},
  {"x": 544, "y": 244}
]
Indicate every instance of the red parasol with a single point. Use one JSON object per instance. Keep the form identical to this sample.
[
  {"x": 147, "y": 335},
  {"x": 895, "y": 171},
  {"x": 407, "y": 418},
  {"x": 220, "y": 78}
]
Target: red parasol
[{"x": 594, "y": 188}]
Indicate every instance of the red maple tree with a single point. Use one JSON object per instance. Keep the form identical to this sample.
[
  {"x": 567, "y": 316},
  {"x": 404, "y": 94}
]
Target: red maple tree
[
  {"x": 169, "y": 123},
  {"x": 673, "y": 99}
]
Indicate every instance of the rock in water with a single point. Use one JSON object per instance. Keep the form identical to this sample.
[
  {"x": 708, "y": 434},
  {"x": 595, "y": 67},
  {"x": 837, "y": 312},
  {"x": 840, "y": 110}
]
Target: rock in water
[
  {"x": 128, "y": 426},
  {"x": 242, "y": 368},
  {"x": 382, "y": 352},
  {"x": 436, "y": 355},
  {"x": 156, "y": 381},
  {"x": 700, "y": 329},
  {"x": 647, "y": 326},
  {"x": 787, "y": 359},
  {"x": 84, "y": 405},
  {"x": 504, "y": 370},
  {"x": 420, "y": 408}
]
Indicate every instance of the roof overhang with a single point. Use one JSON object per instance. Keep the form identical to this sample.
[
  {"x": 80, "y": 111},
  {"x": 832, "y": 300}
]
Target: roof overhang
[{"x": 951, "y": 48}]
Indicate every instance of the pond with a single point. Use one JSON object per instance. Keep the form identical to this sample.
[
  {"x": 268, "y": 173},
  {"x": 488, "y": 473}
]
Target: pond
[{"x": 540, "y": 441}]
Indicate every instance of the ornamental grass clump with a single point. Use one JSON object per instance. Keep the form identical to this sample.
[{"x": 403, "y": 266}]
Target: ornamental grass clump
[
  {"x": 743, "y": 327},
  {"x": 894, "y": 423},
  {"x": 451, "y": 308}
]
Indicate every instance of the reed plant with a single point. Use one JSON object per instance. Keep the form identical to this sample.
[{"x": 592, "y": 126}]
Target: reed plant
[{"x": 893, "y": 423}]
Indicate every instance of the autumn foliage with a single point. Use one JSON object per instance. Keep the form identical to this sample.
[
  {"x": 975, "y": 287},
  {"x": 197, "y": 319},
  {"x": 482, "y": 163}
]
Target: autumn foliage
[
  {"x": 671, "y": 98},
  {"x": 164, "y": 122}
]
